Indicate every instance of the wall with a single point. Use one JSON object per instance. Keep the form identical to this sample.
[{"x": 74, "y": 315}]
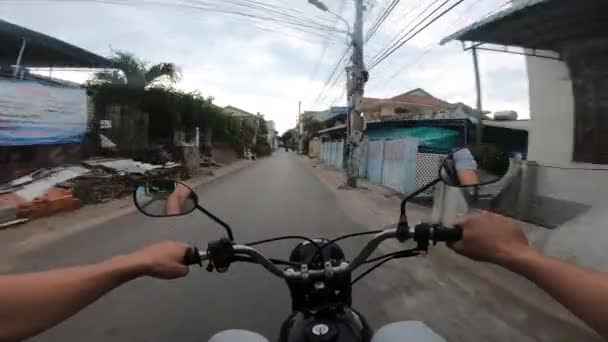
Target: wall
[
  {"x": 583, "y": 238},
  {"x": 129, "y": 128}
]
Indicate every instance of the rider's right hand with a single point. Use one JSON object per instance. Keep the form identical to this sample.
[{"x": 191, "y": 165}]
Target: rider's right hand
[{"x": 491, "y": 238}]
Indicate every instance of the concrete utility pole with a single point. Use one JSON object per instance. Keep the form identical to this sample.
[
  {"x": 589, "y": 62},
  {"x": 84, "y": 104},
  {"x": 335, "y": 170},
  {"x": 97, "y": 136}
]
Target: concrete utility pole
[
  {"x": 300, "y": 129},
  {"x": 356, "y": 77},
  {"x": 355, "y": 83},
  {"x": 479, "y": 107}
]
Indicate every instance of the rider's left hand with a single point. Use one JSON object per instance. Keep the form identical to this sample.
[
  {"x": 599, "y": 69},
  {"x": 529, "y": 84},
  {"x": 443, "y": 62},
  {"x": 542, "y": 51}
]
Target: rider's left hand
[{"x": 164, "y": 260}]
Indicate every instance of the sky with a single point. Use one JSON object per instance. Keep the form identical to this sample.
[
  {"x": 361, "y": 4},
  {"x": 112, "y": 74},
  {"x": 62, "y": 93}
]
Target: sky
[{"x": 269, "y": 67}]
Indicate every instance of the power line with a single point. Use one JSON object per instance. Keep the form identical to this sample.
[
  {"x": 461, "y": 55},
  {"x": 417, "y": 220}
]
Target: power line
[
  {"x": 372, "y": 31},
  {"x": 260, "y": 12},
  {"x": 331, "y": 75},
  {"x": 389, "y": 53},
  {"x": 430, "y": 47},
  {"x": 325, "y": 45},
  {"x": 401, "y": 34}
]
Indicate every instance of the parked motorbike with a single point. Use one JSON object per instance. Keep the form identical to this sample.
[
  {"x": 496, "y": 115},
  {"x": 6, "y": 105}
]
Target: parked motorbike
[{"x": 318, "y": 274}]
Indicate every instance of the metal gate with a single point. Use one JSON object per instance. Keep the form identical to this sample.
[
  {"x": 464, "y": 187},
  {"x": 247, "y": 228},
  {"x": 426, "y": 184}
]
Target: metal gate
[
  {"x": 375, "y": 158},
  {"x": 399, "y": 169}
]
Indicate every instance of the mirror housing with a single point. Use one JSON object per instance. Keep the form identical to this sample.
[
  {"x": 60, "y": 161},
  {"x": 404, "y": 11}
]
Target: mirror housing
[
  {"x": 164, "y": 198},
  {"x": 474, "y": 166}
]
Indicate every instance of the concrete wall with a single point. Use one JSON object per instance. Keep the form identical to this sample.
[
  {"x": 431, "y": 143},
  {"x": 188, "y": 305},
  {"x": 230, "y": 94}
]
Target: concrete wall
[{"x": 582, "y": 239}]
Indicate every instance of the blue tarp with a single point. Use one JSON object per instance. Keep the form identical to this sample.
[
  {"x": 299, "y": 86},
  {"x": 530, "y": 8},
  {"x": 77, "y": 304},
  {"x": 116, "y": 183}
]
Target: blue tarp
[
  {"x": 435, "y": 138},
  {"x": 36, "y": 114}
]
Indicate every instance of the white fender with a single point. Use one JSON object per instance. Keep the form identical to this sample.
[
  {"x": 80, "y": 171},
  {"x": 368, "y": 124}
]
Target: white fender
[
  {"x": 406, "y": 331},
  {"x": 237, "y": 335}
]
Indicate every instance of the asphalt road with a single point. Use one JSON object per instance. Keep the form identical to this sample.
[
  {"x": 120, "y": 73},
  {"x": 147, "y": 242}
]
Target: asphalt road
[{"x": 276, "y": 196}]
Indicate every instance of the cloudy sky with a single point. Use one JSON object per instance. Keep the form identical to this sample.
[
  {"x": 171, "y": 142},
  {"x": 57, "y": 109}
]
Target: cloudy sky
[{"x": 266, "y": 66}]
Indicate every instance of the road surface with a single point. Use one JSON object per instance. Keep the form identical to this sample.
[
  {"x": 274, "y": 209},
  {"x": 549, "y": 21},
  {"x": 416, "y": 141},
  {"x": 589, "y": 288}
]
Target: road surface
[
  {"x": 276, "y": 196},
  {"x": 281, "y": 195}
]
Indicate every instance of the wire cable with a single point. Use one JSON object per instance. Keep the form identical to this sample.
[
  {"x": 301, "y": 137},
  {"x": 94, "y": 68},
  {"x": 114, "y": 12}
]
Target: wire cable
[
  {"x": 388, "y": 52},
  {"x": 381, "y": 20},
  {"x": 384, "y": 259},
  {"x": 331, "y": 75},
  {"x": 402, "y": 33}
]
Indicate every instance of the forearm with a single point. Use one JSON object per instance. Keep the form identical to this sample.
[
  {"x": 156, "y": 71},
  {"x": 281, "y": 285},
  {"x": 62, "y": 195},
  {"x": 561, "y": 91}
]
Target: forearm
[
  {"x": 32, "y": 303},
  {"x": 583, "y": 292}
]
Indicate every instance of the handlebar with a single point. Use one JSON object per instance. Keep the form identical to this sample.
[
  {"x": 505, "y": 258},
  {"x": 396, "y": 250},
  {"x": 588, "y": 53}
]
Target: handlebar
[{"x": 433, "y": 233}]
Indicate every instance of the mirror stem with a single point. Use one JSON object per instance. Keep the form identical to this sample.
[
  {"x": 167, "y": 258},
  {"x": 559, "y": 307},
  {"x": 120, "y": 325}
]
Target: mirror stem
[
  {"x": 416, "y": 193},
  {"x": 218, "y": 220}
]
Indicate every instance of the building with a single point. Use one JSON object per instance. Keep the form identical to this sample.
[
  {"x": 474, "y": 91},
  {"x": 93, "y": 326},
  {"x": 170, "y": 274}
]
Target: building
[
  {"x": 566, "y": 49},
  {"x": 33, "y": 133},
  {"x": 415, "y": 102},
  {"x": 324, "y": 115},
  {"x": 244, "y": 116}
]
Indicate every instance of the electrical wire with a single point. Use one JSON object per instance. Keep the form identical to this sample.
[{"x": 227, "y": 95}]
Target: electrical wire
[
  {"x": 331, "y": 75},
  {"x": 249, "y": 259},
  {"x": 401, "y": 34},
  {"x": 430, "y": 47},
  {"x": 242, "y": 8},
  {"x": 372, "y": 31},
  {"x": 340, "y": 238},
  {"x": 325, "y": 46},
  {"x": 280, "y": 238},
  {"x": 384, "y": 259},
  {"x": 406, "y": 39}
]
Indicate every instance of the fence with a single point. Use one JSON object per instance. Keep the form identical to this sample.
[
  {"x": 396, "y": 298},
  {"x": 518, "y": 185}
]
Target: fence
[
  {"x": 332, "y": 153},
  {"x": 427, "y": 170},
  {"x": 391, "y": 163}
]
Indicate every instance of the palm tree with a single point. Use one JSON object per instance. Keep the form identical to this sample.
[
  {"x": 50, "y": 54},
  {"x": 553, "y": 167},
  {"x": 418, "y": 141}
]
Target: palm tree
[{"x": 136, "y": 73}]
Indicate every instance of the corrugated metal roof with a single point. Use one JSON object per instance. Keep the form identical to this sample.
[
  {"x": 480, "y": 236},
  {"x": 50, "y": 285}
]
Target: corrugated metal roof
[
  {"x": 539, "y": 24},
  {"x": 522, "y": 125},
  {"x": 516, "y": 7},
  {"x": 44, "y": 51}
]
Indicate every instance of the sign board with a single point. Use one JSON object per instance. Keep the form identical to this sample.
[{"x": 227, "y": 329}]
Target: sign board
[
  {"x": 105, "y": 123},
  {"x": 35, "y": 114}
]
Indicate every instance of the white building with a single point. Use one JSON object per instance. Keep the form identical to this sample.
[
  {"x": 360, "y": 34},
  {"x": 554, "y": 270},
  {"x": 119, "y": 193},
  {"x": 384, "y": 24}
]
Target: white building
[{"x": 567, "y": 67}]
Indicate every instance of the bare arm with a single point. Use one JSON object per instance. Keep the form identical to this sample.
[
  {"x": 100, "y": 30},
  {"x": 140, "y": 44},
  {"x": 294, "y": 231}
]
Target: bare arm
[
  {"x": 32, "y": 303},
  {"x": 493, "y": 238},
  {"x": 584, "y": 292}
]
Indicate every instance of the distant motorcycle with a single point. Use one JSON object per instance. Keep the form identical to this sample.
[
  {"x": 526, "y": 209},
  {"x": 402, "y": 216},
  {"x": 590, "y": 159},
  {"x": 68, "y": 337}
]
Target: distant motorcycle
[{"x": 317, "y": 273}]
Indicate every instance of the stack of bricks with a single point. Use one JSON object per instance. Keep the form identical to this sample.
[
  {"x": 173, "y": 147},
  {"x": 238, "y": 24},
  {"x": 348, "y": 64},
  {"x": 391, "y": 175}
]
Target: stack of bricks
[{"x": 54, "y": 201}]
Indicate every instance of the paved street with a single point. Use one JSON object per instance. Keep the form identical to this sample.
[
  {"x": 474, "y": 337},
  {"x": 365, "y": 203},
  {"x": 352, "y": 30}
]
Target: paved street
[
  {"x": 283, "y": 195},
  {"x": 276, "y": 196}
]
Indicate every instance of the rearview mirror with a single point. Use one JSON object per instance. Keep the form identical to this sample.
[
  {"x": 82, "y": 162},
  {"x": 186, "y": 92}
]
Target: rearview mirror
[
  {"x": 474, "y": 166},
  {"x": 164, "y": 198}
]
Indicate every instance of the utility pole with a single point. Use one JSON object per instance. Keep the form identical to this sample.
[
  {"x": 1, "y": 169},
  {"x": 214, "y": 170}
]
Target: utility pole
[
  {"x": 479, "y": 126},
  {"x": 355, "y": 83},
  {"x": 356, "y": 77},
  {"x": 300, "y": 129}
]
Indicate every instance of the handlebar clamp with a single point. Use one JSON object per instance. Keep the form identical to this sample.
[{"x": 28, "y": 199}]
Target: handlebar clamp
[{"x": 221, "y": 254}]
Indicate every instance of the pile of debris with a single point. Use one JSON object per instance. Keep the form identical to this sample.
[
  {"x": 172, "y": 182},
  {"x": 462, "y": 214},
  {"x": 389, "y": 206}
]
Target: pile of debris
[{"x": 45, "y": 192}]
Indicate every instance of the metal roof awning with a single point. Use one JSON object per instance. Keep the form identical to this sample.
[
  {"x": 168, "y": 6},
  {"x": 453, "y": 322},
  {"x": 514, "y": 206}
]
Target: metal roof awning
[
  {"x": 336, "y": 128},
  {"x": 540, "y": 24},
  {"x": 43, "y": 51}
]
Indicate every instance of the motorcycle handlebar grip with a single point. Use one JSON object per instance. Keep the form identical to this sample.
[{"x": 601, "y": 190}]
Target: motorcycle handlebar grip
[
  {"x": 192, "y": 257},
  {"x": 447, "y": 234}
]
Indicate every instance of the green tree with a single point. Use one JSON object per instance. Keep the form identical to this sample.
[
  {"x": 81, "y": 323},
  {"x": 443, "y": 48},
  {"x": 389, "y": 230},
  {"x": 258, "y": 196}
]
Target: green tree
[
  {"x": 136, "y": 73},
  {"x": 311, "y": 127},
  {"x": 262, "y": 147}
]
